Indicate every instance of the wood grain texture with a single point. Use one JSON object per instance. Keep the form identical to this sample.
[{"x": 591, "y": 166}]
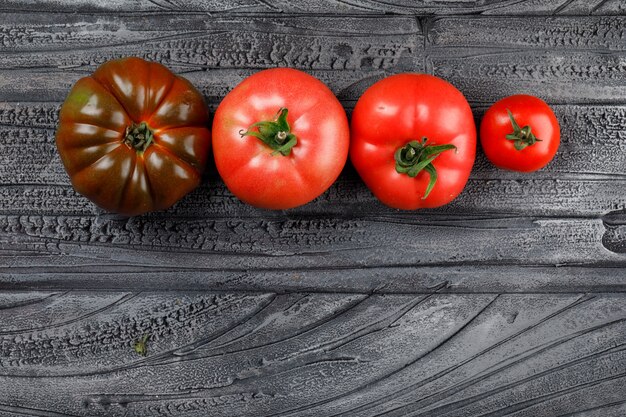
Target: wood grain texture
[
  {"x": 509, "y": 301},
  {"x": 552, "y": 219},
  {"x": 274, "y": 355},
  {"x": 499, "y": 7},
  {"x": 566, "y": 216},
  {"x": 561, "y": 59},
  {"x": 323, "y": 254},
  {"x": 213, "y": 54}
]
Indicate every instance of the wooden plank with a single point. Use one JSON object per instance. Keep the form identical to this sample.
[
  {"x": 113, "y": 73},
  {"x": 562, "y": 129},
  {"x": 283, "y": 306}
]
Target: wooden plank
[
  {"x": 559, "y": 33},
  {"x": 45, "y": 54},
  {"x": 305, "y": 243},
  {"x": 327, "y": 254},
  {"x": 562, "y": 7},
  {"x": 300, "y": 242},
  {"x": 499, "y": 7},
  {"x": 304, "y": 354},
  {"x": 562, "y": 60},
  {"x": 193, "y": 42},
  {"x": 452, "y": 279}
]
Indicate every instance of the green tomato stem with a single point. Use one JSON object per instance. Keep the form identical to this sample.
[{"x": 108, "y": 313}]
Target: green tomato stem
[
  {"x": 274, "y": 133},
  {"x": 416, "y": 156},
  {"x": 138, "y": 136},
  {"x": 521, "y": 137}
]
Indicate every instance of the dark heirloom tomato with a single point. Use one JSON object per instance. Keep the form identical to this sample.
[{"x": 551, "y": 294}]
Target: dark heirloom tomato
[
  {"x": 280, "y": 139},
  {"x": 133, "y": 136},
  {"x": 413, "y": 141}
]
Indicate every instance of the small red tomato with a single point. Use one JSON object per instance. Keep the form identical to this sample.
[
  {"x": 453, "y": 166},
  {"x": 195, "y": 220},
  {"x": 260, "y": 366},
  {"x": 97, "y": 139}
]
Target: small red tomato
[
  {"x": 520, "y": 133},
  {"x": 281, "y": 139},
  {"x": 413, "y": 141}
]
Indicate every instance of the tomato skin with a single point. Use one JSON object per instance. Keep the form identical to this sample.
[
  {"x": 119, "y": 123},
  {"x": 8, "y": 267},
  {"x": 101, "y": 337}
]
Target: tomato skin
[
  {"x": 248, "y": 166},
  {"x": 93, "y": 125},
  {"x": 527, "y": 111},
  {"x": 406, "y": 107}
]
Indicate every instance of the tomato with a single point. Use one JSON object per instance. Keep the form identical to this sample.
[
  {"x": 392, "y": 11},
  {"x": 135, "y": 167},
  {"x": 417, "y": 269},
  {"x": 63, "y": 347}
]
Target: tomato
[
  {"x": 520, "y": 133},
  {"x": 413, "y": 141},
  {"x": 280, "y": 139},
  {"x": 133, "y": 137}
]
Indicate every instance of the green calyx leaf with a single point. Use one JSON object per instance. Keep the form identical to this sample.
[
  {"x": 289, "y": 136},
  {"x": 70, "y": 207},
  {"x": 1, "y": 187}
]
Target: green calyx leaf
[
  {"x": 140, "y": 345},
  {"x": 416, "y": 156},
  {"x": 138, "y": 136},
  {"x": 274, "y": 133},
  {"x": 521, "y": 137}
]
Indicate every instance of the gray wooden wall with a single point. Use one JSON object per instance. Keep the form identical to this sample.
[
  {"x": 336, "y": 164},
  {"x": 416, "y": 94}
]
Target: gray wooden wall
[{"x": 509, "y": 301}]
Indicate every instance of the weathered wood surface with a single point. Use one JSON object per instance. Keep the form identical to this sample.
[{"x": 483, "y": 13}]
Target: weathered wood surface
[
  {"x": 312, "y": 354},
  {"x": 495, "y": 7},
  {"x": 509, "y": 301},
  {"x": 566, "y": 216}
]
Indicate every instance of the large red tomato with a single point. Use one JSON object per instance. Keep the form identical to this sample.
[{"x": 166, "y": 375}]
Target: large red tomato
[
  {"x": 280, "y": 139},
  {"x": 133, "y": 136},
  {"x": 520, "y": 133},
  {"x": 413, "y": 141}
]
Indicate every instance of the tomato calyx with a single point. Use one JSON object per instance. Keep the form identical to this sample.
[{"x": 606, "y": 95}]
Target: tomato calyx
[
  {"x": 138, "y": 136},
  {"x": 416, "y": 156},
  {"x": 274, "y": 133},
  {"x": 521, "y": 137}
]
